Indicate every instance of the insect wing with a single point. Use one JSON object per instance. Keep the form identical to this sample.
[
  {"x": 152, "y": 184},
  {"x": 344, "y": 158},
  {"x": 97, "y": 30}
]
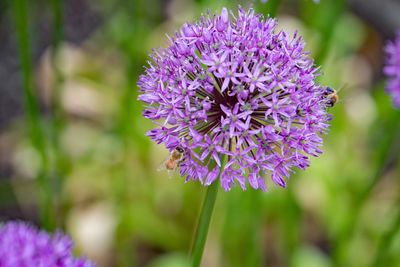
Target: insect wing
[{"x": 162, "y": 166}]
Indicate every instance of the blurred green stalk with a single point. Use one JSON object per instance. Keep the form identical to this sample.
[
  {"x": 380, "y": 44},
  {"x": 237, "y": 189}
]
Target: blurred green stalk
[
  {"x": 58, "y": 116},
  {"x": 36, "y": 133},
  {"x": 327, "y": 30},
  {"x": 204, "y": 221},
  {"x": 387, "y": 238},
  {"x": 323, "y": 17},
  {"x": 270, "y": 7},
  {"x": 390, "y": 152},
  {"x": 129, "y": 128}
]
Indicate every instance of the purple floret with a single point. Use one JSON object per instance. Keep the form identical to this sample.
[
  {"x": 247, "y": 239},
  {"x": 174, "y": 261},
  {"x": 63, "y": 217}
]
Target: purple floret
[
  {"x": 392, "y": 69},
  {"x": 22, "y": 245},
  {"x": 233, "y": 87}
]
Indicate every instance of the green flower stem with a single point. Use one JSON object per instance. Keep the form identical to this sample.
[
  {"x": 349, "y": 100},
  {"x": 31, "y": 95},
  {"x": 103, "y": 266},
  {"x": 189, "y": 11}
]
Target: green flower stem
[
  {"x": 204, "y": 222},
  {"x": 31, "y": 104}
]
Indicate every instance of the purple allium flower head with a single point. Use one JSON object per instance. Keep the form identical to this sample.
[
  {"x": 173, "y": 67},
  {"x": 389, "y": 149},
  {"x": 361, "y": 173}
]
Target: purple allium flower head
[
  {"x": 22, "y": 245},
  {"x": 392, "y": 69},
  {"x": 232, "y": 86}
]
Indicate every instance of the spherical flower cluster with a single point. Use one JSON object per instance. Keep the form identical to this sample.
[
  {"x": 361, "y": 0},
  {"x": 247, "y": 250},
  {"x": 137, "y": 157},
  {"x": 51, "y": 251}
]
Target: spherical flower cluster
[
  {"x": 392, "y": 69},
  {"x": 22, "y": 245},
  {"x": 232, "y": 89}
]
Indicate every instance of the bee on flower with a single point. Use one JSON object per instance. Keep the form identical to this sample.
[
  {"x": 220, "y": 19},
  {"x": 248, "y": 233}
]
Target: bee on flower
[{"x": 174, "y": 160}]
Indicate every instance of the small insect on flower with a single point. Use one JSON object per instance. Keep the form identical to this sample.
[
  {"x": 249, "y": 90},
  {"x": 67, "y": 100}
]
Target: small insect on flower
[
  {"x": 174, "y": 160},
  {"x": 331, "y": 96}
]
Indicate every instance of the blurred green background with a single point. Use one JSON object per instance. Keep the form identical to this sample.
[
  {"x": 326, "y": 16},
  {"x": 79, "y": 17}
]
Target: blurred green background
[{"x": 73, "y": 154}]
